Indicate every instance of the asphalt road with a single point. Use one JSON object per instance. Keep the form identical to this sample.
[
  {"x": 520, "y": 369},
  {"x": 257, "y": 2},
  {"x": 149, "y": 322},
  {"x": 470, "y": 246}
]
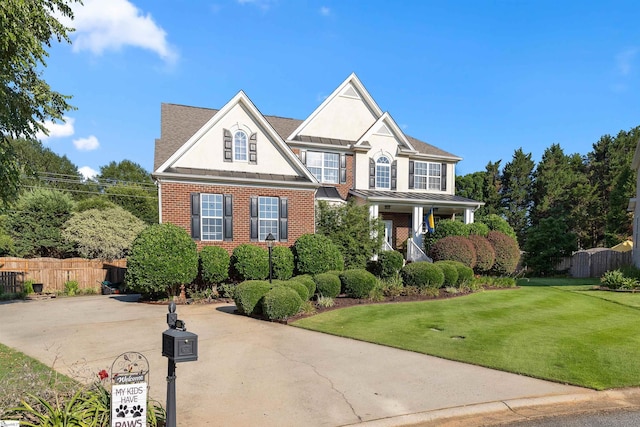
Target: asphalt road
[{"x": 618, "y": 418}]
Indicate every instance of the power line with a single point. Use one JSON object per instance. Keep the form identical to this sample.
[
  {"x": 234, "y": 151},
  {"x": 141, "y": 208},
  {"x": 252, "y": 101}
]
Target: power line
[{"x": 96, "y": 192}]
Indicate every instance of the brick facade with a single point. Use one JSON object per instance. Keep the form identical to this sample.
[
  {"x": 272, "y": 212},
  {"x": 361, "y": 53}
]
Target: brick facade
[{"x": 176, "y": 209}]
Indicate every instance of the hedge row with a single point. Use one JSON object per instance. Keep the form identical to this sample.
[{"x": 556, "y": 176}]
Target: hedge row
[{"x": 424, "y": 274}]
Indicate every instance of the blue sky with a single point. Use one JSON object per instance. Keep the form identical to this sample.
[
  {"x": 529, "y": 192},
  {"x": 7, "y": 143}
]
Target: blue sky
[{"x": 479, "y": 79}]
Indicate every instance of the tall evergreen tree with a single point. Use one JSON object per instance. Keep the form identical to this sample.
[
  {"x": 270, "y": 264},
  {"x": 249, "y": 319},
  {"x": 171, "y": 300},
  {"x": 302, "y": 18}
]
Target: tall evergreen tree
[
  {"x": 517, "y": 181},
  {"x": 471, "y": 185},
  {"x": 491, "y": 190}
]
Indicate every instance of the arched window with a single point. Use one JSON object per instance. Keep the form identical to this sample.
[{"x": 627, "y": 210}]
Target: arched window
[
  {"x": 383, "y": 173},
  {"x": 240, "y": 146}
]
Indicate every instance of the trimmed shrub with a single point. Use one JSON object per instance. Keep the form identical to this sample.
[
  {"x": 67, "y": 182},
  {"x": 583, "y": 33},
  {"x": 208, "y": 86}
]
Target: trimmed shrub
[
  {"x": 485, "y": 254},
  {"x": 307, "y": 281},
  {"x": 281, "y": 303},
  {"x": 162, "y": 258},
  {"x": 422, "y": 274},
  {"x": 455, "y": 248},
  {"x": 450, "y": 273},
  {"x": 444, "y": 228},
  {"x": 249, "y": 294},
  {"x": 282, "y": 261},
  {"x": 465, "y": 274},
  {"x": 387, "y": 265},
  {"x": 496, "y": 223},
  {"x": 327, "y": 284},
  {"x": 300, "y": 289},
  {"x": 315, "y": 253},
  {"x": 250, "y": 262},
  {"x": 357, "y": 283},
  {"x": 214, "y": 264},
  {"x": 478, "y": 229},
  {"x": 507, "y": 252}
]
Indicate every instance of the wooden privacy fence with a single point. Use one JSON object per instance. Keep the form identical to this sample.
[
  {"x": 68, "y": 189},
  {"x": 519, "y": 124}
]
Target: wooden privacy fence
[
  {"x": 53, "y": 273},
  {"x": 593, "y": 262}
]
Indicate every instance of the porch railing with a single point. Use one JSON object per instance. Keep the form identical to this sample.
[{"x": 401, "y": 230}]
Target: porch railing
[
  {"x": 415, "y": 252},
  {"x": 386, "y": 246}
]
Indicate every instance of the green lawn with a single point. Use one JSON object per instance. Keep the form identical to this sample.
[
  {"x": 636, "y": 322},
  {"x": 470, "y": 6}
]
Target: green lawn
[{"x": 556, "y": 329}]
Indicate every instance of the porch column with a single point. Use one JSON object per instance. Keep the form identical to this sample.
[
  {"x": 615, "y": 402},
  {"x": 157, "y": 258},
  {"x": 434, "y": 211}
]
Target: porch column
[
  {"x": 468, "y": 215},
  {"x": 373, "y": 214},
  {"x": 416, "y": 224}
]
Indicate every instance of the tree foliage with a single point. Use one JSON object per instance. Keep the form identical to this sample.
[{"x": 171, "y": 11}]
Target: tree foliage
[
  {"x": 36, "y": 224},
  {"x": 351, "y": 228},
  {"x": 103, "y": 234},
  {"x": 26, "y": 31},
  {"x": 140, "y": 201},
  {"x": 517, "y": 181},
  {"x": 546, "y": 242}
]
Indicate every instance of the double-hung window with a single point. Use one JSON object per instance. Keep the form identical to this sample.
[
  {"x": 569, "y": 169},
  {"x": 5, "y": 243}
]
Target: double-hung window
[
  {"x": 240, "y": 146},
  {"x": 383, "y": 173},
  {"x": 267, "y": 217},
  {"x": 428, "y": 176},
  {"x": 324, "y": 166},
  {"x": 211, "y": 216}
]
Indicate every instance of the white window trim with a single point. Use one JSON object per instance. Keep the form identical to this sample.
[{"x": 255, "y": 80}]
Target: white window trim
[
  {"x": 246, "y": 146},
  {"x": 261, "y": 218},
  {"x": 203, "y": 217},
  {"x": 427, "y": 176},
  {"x": 324, "y": 168},
  {"x": 386, "y": 166}
]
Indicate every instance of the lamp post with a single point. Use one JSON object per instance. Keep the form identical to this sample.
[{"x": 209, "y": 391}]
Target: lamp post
[{"x": 270, "y": 239}]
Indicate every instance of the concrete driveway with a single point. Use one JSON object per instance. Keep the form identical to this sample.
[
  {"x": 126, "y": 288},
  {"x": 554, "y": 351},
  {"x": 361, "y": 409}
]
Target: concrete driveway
[{"x": 256, "y": 373}]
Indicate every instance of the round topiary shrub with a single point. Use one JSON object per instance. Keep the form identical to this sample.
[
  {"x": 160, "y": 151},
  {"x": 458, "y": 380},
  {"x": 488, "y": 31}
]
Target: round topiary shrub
[
  {"x": 465, "y": 273},
  {"x": 496, "y": 223},
  {"x": 300, "y": 289},
  {"x": 307, "y": 281},
  {"x": 248, "y": 295},
  {"x": 450, "y": 273},
  {"x": 357, "y": 283},
  {"x": 477, "y": 229},
  {"x": 387, "y": 265},
  {"x": 162, "y": 258},
  {"x": 280, "y": 303},
  {"x": 282, "y": 261},
  {"x": 422, "y": 274},
  {"x": 485, "y": 254},
  {"x": 455, "y": 248},
  {"x": 250, "y": 262},
  {"x": 507, "y": 252},
  {"x": 327, "y": 284},
  {"x": 214, "y": 264},
  {"x": 315, "y": 253}
]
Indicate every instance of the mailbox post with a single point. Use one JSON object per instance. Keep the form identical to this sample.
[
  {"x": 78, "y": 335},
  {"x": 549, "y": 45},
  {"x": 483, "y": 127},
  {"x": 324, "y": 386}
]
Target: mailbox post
[{"x": 178, "y": 345}]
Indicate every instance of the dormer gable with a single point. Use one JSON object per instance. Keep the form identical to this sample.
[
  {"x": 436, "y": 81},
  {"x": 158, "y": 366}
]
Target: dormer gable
[
  {"x": 386, "y": 132},
  {"x": 344, "y": 115},
  {"x": 238, "y": 138}
]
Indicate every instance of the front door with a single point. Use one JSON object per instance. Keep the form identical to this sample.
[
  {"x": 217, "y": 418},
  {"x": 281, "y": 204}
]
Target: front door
[{"x": 388, "y": 232}]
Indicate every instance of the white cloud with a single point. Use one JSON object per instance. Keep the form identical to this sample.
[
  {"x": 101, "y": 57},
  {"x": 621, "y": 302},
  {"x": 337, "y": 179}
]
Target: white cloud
[
  {"x": 113, "y": 24},
  {"x": 325, "y": 11},
  {"x": 57, "y": 130},
  {"x": 625, "y": 59},
  {"x": 87, "y": 172},
  {"x": 86, "y": 144}
]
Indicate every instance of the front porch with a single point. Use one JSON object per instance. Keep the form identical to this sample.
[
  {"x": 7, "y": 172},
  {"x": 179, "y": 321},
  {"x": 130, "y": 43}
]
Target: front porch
[{"x": 405, "y": 216}]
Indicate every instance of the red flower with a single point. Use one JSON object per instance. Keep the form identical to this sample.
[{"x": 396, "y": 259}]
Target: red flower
[{"x": 103, "y": 374}]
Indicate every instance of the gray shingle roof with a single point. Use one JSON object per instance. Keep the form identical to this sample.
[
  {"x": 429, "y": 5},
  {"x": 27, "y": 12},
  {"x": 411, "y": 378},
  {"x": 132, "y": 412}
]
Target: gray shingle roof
[
  {"x": 178, "y": 123},
  {"x": 424, "y": 197}
]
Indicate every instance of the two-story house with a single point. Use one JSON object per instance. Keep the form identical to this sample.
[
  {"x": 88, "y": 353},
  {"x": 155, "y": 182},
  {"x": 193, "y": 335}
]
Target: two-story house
[{"x": 233, "y": 175}]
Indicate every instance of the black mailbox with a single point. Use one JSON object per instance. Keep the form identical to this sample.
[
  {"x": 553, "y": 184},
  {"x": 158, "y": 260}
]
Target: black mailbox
[{"x": 179, "y": 345}]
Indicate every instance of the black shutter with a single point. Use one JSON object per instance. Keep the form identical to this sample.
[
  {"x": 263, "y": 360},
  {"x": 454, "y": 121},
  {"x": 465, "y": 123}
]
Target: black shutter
[
  {"x": 443, "y": 177},
  {"x": 412, "y": 176},
  {"x": 195, "y": 216},
  {"x": 227, "y": 145},
  {"x": 253, "y": 222},
  {"x": 284, "y": 219},
  {"x": 343, "y": 168},
  {"x": 394, "y": 174},
  {"x": 372, "y": 173},
  {"x": 227, "y": 228},
  {"x": 253, "y": 149}
]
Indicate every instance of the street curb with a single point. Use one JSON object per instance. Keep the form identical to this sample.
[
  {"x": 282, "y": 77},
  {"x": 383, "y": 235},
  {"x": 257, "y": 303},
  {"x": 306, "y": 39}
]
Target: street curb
[{"x": 493, "y": 413}]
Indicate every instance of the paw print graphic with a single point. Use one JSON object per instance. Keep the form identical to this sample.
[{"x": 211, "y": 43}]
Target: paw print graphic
[
  {"x": 122, "y": 411},
  {"x": 137, "y": 411}
]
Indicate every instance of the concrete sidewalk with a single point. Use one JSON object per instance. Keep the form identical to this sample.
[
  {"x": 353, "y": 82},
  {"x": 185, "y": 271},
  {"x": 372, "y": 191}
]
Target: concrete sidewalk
[{"x": 252, "y": 372}]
